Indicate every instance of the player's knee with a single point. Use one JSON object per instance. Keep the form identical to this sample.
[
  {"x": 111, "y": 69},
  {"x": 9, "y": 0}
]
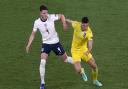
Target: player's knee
[
  {"x": 77, "y": 66},
  {"x": 94, "y": 66},
  {"x": 44, "y": 56}
]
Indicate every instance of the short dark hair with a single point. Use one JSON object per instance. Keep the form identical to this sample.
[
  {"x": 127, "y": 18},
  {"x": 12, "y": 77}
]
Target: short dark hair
[
  {"x": 43, "y": 7},
  {"x": 85, "y": 20}
]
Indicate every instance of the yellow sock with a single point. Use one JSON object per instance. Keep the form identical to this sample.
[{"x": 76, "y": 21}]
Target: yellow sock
[
  {"x": 95, "y": 74},
  {"x": 82, "y": 70}
]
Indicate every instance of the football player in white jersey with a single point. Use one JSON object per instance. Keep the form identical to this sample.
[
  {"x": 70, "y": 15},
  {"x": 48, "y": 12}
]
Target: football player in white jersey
[{"x": 50, "y": 39}]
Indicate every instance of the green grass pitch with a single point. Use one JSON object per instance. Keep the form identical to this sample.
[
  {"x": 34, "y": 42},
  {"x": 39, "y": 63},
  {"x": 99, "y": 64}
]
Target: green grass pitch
[{"x": 108, "y": 20}]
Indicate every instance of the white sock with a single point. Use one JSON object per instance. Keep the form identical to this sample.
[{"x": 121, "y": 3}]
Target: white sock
[
  {"x": 42, "y": 70},
  {"x": 69, "y": 60}
]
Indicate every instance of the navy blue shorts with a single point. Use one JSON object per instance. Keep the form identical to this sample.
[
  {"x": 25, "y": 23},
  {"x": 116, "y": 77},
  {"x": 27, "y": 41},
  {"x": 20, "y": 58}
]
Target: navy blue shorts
[{"x": 56, "y": 48}]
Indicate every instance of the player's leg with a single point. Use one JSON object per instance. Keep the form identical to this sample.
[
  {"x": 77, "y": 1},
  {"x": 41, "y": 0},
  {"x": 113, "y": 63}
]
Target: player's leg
[
  {"x": 45, "y": 50},
  {"x": 77, "y": 67},
  {"x": 94, "y": 67},
  {"x": 76, "y": 55},
  {"x": 66, "y": 58},
  {"x": 44, "y": 57},
  {"x": 79, "y": 70},
  {"x": 59, "y": 50}
]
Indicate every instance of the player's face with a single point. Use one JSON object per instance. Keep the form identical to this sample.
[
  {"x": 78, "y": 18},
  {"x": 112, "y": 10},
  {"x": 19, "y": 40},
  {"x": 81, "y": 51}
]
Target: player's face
[
  {"x": 84, "y": 26},
  {"x": 44, "y": 14}
]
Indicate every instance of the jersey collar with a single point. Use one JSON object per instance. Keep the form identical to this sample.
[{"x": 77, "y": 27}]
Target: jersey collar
[{"x": 43, "y": 20}]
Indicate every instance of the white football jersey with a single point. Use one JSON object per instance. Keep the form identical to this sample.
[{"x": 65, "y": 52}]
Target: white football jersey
[{"x": 47, "y": 29}]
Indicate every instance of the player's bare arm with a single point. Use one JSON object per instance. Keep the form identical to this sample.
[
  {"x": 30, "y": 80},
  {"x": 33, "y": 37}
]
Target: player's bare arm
[
  {"x": 69, "y": 21},
  {"x": 90, "y": 43},
  {"x": 62, "y": 18},
  {"x": 31, "y": 38}
]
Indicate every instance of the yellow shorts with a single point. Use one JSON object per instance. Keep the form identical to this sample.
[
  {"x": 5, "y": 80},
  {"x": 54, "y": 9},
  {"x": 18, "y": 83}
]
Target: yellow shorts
[{"x": 79, "y": 55}]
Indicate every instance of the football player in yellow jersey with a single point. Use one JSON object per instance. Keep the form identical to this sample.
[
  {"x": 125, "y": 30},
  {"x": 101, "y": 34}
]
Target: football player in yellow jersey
[{"x": 82, "y": 47}]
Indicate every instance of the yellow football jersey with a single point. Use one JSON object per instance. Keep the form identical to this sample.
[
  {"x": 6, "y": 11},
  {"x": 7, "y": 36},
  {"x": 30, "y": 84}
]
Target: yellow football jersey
[{"x": 80, "y": 38}]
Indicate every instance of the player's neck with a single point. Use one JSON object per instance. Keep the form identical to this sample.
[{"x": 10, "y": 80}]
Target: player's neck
[
  {"x": 83, "y": 30},
  {"x": 42, "y": 19}
]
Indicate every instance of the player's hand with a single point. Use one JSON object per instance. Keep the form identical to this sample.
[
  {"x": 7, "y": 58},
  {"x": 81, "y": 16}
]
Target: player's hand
[
  {"x": 86, "y": 53},
  {"x": 27, "y": 49}
]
